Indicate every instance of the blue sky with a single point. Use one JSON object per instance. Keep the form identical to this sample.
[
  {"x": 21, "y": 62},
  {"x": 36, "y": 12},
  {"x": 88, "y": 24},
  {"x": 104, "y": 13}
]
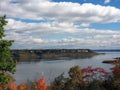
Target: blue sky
[
  {"x": 41, "y": 24},
  {"x": 114, "y": 3}
]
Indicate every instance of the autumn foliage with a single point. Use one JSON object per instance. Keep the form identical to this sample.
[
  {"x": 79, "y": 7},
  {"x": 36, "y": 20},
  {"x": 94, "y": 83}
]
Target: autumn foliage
[
  {"x": 94, "y": 73},
  {"x": 116, "y": 71},
  {"x": 40, "y": 85},
  {"x": 79, "y": 79},
  {"x": 12, "y": 86}
]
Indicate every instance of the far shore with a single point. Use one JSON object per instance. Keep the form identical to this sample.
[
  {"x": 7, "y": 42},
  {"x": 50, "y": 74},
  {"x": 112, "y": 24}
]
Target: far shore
[{"x": 52, "y": 54}]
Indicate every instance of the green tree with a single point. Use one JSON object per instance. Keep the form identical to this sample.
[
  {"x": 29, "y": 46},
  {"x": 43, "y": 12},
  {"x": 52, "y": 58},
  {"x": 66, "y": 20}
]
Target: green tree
[
  {"x": 74, "y": 81},
  {"x": 7, "y": 64}
]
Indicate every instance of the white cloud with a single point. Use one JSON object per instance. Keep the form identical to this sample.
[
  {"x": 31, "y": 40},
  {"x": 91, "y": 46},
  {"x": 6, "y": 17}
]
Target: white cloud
[
  {"x": 84, "y": 24},
  {"x": 69, "y": 43},
  {"x": 37, "y": 40},
  {"x": 107, "y": 1},
  {"x": 44, "y": 28},
  {"x": 32, "y": 35},
  {"x": 60, "y": 29},
  {"x": 60, "y": 11}
]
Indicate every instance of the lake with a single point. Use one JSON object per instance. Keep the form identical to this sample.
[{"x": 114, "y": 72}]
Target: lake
[{"x": 53, "y": 68}]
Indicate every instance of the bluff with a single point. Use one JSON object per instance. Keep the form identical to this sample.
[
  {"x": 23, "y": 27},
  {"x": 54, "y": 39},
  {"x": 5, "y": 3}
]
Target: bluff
[{"x": 49, "y": 54}]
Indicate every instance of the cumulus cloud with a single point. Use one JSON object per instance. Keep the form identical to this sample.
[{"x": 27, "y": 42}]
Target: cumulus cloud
[
  {"x": 61, "y": 24},
  {"x": 60, "y": 11},
  {"x": 33, "y": 35},
  {"x": 51, "y": 28}
]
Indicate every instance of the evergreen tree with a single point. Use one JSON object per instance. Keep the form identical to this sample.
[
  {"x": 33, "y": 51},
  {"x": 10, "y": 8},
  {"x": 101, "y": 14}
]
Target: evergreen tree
[{"x": 7, "y": 64}]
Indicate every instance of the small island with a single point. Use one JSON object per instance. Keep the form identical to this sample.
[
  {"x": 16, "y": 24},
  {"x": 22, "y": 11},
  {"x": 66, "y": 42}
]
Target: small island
[
  {"x": 117, "y": 60},
  {"x": 51, "y": 54}
]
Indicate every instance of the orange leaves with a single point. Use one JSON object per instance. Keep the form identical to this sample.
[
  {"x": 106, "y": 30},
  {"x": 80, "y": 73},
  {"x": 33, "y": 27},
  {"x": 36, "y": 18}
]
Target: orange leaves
[
  {"x": 12, "y": 86},
  {"x": 23, "y": 86},
  {"x": 41, "y": 84}
]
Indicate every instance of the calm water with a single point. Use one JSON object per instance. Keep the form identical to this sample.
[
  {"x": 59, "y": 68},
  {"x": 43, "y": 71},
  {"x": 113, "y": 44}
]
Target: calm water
[{"x": 51, "y": 69}]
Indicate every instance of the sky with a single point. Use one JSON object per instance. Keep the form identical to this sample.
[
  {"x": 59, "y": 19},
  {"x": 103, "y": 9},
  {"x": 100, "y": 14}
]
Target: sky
[{"x": 63, "y": 24}]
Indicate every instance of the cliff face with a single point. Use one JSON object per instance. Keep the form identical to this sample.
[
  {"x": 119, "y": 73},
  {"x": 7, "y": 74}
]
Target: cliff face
[{"x": 35, "y": 55}]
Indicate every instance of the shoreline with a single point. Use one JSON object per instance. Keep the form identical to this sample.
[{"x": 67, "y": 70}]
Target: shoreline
[
  {"x": 116, "y": 60},
  {"x": 51, "y": 54}
]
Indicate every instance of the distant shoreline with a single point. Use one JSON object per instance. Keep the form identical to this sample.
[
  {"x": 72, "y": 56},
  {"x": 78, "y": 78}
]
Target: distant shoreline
[
  {"x": 50, "y": 54},
  {"x": 107, "y": 50}
]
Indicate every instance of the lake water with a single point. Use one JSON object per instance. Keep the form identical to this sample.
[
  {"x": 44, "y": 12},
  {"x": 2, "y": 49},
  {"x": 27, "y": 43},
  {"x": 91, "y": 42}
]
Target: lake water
[{"x": 51, "y": 69}]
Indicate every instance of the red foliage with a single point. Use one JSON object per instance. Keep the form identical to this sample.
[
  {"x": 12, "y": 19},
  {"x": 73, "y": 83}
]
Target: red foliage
[
  {"x": 116, "y": 71},
  {"x": 41, "y": 84},
  {"x": 0, "y": 86},
  {"x": 96, "y": 73}
]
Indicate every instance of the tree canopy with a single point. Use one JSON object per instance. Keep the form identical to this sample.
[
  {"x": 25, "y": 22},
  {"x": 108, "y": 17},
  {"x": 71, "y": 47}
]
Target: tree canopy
[{"x": 7, "y": 64}]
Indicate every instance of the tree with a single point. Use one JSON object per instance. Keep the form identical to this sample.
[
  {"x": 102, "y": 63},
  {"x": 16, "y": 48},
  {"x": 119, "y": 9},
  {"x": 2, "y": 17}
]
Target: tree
[
  {"x": 7, "y": 64},
  {"x": 75, "y": 81}
]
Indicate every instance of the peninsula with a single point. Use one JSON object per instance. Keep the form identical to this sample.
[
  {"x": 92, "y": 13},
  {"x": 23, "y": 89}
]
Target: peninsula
[{"x": 50, "y": 54}]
